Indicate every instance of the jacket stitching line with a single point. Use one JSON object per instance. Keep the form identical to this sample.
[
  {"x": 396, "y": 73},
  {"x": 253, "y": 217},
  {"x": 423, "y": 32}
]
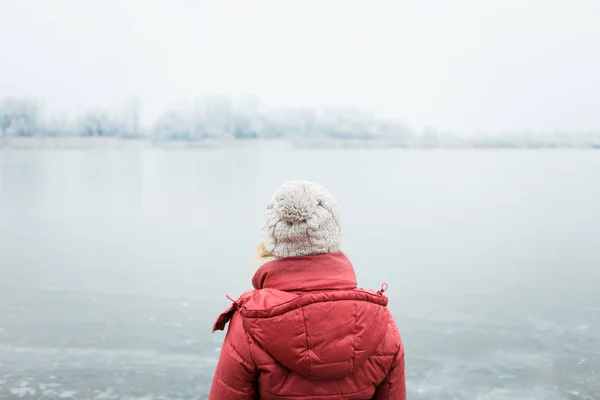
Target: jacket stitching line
[
  {"x": 306, "y": 335},
  {"x": 354, "y": 337},
  {"x": 247, "y": 364},
  {"x": 329, "y": 363},
  {"x": 249, "y": 342},
  {"x": 328, "y": 396},
  {"x": 228, "y": 385}
]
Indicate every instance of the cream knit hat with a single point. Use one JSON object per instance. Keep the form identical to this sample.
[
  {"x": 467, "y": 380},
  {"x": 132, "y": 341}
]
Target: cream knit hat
[{"x": 301, "y": 219}]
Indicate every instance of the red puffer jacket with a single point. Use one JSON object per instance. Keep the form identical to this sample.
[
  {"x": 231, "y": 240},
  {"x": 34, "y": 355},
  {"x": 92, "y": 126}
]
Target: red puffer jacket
[{"x": 307, "y": 332}]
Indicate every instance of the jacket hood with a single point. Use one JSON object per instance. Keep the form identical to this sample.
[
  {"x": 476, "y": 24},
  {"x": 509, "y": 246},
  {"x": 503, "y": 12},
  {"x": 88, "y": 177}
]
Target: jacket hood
[{"x": 309, "y": 316}]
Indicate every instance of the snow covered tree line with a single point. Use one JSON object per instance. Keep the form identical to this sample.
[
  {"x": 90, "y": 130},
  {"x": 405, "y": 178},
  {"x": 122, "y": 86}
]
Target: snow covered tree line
[
  {"x": 223, "y": 119},
  {"x": 217, "y": 118},
  {"x": 26, "y": 117}
]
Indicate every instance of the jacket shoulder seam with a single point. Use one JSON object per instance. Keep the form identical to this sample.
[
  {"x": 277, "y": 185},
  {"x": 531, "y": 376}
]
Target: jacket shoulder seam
[{"x": 302, "y": 301}]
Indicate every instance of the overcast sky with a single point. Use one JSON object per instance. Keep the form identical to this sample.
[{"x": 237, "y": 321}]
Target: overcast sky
[{"x": 453, "y": 64}]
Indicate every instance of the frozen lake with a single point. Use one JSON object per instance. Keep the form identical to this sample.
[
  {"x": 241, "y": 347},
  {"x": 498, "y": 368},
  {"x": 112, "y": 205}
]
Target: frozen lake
[{"x": 115, "y": 263}]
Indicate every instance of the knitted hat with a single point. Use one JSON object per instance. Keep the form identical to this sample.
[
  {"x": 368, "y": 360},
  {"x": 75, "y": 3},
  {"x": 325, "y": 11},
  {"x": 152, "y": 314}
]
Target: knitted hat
[{"x": 301, "y": 219}]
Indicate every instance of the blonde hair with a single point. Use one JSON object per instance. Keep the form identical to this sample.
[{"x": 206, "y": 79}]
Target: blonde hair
[{"x": 262, "y": 254}]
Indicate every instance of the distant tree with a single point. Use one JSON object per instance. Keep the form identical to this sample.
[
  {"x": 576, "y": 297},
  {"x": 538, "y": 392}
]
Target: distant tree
[
  {"x": 213, "y": 118},
  {"x": 122, "y": 122},
  {"x": 173, "y": 124},
  {"x": 19, "y": 117},
  {"x": 96, "y": 123},
  {"x": 127, "y": 119},
  {"x": 247, "y": 122},
  {"x": 58, "y": 125}
]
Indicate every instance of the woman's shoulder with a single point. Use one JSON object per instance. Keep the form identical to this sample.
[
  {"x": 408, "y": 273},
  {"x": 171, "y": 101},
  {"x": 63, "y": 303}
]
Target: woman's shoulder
[{"x": 257, "y": 298}]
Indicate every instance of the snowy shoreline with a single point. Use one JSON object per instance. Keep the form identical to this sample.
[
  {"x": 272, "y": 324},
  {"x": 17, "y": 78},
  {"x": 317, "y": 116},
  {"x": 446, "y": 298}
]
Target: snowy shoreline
[{"x": 142, "y": 143}]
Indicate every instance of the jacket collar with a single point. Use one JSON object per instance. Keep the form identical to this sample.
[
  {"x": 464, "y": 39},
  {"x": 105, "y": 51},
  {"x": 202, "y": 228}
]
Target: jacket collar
[{"x": 332, "y": 271}]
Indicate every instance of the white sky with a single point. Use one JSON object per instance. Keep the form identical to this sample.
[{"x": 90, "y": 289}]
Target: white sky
[{"x": 453, "y": 64}]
